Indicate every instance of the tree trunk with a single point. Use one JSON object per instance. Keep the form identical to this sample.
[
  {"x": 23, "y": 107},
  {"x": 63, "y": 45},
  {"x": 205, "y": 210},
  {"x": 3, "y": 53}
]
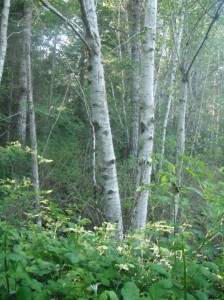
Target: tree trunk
[
  {"x": 146, "y": 117},
  {"x": 172, "y": 81},
  {"x": 32, "y": 124},
  {"x": 180, "y": 139},
  {"x": 23, "y": 78},
  {"x": 100, "y": 118},
  {"x": 158, "y": 71},
  {"x": 3, "y": 34},
  {"x": 135, "y": 56}
]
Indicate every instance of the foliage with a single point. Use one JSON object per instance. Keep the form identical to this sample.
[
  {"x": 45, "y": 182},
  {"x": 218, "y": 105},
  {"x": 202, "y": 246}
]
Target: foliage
[
  {"x": 14, "y": 161},
  {"x": 66, "y": 261}
]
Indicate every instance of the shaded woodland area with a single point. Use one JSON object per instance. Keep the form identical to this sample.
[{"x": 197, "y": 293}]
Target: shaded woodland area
[{"x": 111, "y": 149}]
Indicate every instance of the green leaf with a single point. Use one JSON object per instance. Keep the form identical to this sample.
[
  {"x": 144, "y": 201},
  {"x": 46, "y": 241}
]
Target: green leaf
[
  {"x": 103, "y": 296},
  {"x": 197, "y": 191},
  {"x": 112, "y": 295},
  {"x": 157, "y": 268},
  {"x": 159, "y": 290},
  {"x": 201, "y": 165},
  {"x": 200, "y": 295},
  {"x": 15, "y": 257},
  {"x": 110, "y": 273},
  {"x": 105, "y": 282},
  {"x": 130, "y": 291},
  {"x": 211, "y": 266},
  {"x": 24, "y": 293},
  {"x": 74, "y": 259},
  {"x": 164, "y": 179}
]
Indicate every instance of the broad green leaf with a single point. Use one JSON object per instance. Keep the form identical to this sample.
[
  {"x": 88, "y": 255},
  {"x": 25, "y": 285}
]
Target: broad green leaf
[
  {"x": 160, "y": 289},
  {"x": 112, "y": 295},
  {"x": 105, "y": 281},
  {"x": 158, "y": 268},
  {"x": 130, "y": 291},
  {"x": 24, "y": 293},
  {"x": 103, "y": 296}
]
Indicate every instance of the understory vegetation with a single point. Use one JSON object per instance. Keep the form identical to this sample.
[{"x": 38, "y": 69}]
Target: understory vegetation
[
  {"x": 66, "y": 261},
  {"x": 71, "y": 257}
]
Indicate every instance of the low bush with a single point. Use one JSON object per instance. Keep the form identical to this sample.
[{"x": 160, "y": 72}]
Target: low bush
[{"x": 64, "y": 260}]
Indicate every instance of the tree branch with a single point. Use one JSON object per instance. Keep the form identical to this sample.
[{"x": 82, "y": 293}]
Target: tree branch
[
  {"x": 71, "y": 24},
  {"x": 205, "y": 38},
  {"x": 206, "y": 11}
]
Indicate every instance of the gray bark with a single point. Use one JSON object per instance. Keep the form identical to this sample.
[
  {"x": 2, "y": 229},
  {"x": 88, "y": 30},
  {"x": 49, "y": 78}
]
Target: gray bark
[
  {"x": 180, "y": 139},
  {"x": 3, "y": 34},
  {"x": 23, "y": 76},
  {"x": 100, "y": 118},
  {"x": 32, "y": 123},
  {"x": 135, "y": 80},
  {"x": 146, "y": 117}
]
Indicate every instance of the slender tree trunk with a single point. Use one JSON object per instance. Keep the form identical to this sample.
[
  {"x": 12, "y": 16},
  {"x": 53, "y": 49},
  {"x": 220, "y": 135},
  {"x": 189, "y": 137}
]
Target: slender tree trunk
[
  {"x": 3, "y": 34},
  {"x": 135, "y": 55},
  {"x": 172, "y": 81},
  {"x": 32, "y": 124},
  {"x": 146, "y": 117},
  {"x": 163, "y": 48},
  {"x": 185, "y": 71},
  {"x": 23, "y": 76},
  {"x": 180, "y": 139},
  {"x": 100, "y": 118},
  {"x": 123, "y": 85},
  {"x": 53, "y": 70}
]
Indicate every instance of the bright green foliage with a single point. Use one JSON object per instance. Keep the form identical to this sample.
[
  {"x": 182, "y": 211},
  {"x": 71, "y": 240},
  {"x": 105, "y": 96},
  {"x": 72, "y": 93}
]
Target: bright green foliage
[{"x": 66, "y": 261}]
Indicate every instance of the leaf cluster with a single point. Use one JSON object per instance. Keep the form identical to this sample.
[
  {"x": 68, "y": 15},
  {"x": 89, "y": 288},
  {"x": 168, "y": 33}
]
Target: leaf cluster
[{"x": 64, "y": 260}]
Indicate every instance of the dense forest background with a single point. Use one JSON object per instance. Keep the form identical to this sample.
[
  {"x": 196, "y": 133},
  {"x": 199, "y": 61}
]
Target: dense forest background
[{"x": 160, "y": 234}]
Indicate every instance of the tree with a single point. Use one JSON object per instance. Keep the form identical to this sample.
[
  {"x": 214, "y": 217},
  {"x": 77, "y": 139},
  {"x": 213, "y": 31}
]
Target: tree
[
  {"x": 135, "y": 13},
  {"x": 99, "y": 110},
  {"x": 146, "y": 117},
  {"x": 23, "y": 75},
  {"x": 185, "y": 72},
  {"x": 3, "y": 34}
]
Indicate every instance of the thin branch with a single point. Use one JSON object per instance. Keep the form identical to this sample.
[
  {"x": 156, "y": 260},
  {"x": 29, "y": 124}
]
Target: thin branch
[
  {"x": 16, "y": 32},
  {"x": 71, "y": 24},
  {"x": 205, "y": 38},
  {"x": 199, "y": 19}
]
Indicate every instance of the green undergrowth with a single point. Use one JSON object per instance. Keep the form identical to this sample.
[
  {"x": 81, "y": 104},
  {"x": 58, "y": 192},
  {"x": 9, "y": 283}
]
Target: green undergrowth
[{"x": 63, "y": 260}]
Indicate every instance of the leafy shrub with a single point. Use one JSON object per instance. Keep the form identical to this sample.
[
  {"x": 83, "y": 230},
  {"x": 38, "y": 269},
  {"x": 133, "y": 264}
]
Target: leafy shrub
[{"x": 66, "y": 261}]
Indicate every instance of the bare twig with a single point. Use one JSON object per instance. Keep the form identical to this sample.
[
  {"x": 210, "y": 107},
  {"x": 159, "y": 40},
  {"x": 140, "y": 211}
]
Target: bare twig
[{"x": 71, "y": 24}]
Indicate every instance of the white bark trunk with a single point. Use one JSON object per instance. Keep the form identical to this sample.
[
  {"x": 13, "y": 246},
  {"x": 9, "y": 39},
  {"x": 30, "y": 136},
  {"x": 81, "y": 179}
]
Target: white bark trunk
[
  {"x": 135, "y": 55},
  {"x": 146, "y": 116},
  {"x": 23, "y": 77},
  {"x": 100, "y": 118},
  {"x": 3, "y": 34},
  {"x": 32, "y": 123},
  {"x": 180, "y": 139},
  {"x": 163, "y": 48}
]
